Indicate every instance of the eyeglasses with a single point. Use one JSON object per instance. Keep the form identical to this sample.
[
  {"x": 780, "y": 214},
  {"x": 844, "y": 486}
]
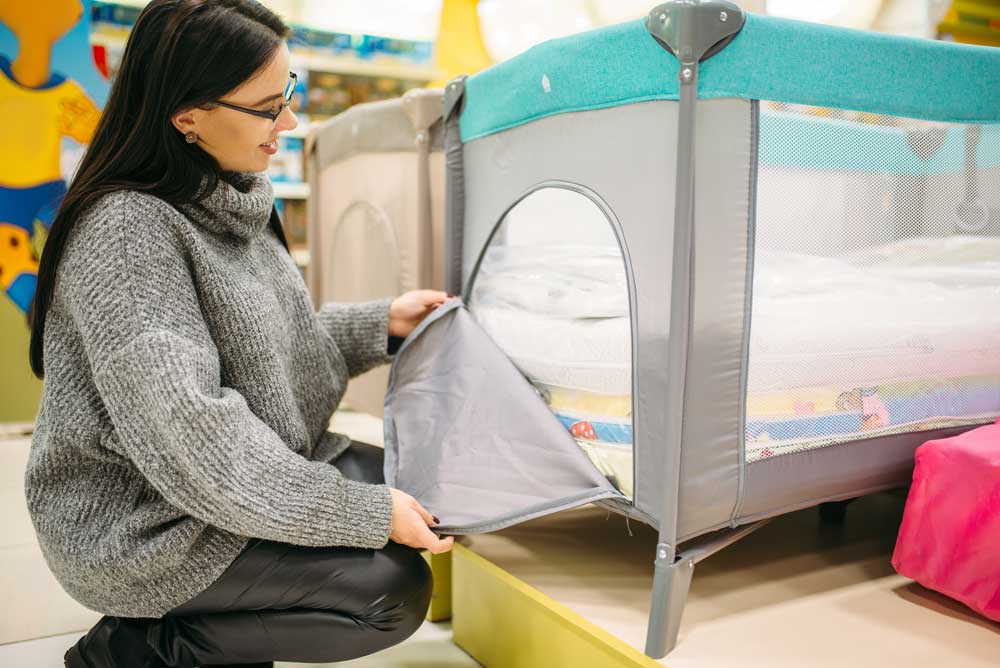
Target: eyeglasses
[{"x": 273, "y": 113}]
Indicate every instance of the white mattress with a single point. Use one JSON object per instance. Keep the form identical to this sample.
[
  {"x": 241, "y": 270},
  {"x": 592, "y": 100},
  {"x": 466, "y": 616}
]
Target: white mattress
[
  {"x": 910, "y": 310},
  {"x": 561, "y": 314},
  {"x": 914, "y": 310},
  {"x": 904, "y": 311},
  {"x": 592, "y": 355}
]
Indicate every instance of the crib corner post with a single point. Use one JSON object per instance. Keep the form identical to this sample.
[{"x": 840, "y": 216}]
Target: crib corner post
[
  {"x": 671, "y": 582},
  {"x": 454, "y": 91},
  {"x": 454, "y": 205},
  {"x": 691, "y": 30},
  {"x": 694, "y": 30}
]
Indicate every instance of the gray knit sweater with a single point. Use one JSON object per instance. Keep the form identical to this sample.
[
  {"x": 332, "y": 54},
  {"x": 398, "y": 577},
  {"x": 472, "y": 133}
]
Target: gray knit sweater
[{"x": 189, "y": 385}]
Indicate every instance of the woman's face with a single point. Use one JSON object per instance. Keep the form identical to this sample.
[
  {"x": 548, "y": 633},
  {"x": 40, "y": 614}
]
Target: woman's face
[{"x": 238, "y": 141}]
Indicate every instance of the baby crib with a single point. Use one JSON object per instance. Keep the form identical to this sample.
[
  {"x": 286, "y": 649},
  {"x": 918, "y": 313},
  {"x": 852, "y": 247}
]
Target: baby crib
[
  {"x": 715, "y": 267},
  {"x": 376, "y": 212}
]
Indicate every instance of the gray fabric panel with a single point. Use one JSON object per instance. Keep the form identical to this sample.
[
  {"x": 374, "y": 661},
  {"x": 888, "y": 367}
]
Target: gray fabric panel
[
  {"x": 469, "y": 437},
  {"x": 802, "y": 479},
  {"x": 710, "y": 456},
  {"x": 747, "y": 302},
  {"x": 425, "y": 215},
  {"x": 608, "y": 152},
  {"x": 378, "y": 127},
  {"x": 624, "y": 507}
]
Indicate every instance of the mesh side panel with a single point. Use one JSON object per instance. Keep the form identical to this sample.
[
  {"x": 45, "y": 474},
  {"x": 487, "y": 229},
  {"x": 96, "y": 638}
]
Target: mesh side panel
[{"x": 876, "y": 303}]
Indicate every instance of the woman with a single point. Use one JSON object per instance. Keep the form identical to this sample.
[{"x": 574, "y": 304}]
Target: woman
[{"x": 181, "y": 478}]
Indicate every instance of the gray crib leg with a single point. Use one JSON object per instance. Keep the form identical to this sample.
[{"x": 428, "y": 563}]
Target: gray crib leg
[
  {"x": 672, "y": 580},
  {"x": 670, "y": 590}
]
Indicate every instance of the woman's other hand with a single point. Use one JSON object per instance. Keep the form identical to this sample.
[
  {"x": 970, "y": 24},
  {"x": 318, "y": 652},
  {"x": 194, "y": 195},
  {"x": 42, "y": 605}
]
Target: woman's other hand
[
  {"x": 408, "y": 310},
  {"x": 411, "y": 522}
]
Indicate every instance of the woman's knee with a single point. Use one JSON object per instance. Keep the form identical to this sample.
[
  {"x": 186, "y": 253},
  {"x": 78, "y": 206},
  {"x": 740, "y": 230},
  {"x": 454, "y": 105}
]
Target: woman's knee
[
  {"x": 406, "y": 584},
  {"x": 393, "y": 605},
  {"x": 406, "y": 572}
]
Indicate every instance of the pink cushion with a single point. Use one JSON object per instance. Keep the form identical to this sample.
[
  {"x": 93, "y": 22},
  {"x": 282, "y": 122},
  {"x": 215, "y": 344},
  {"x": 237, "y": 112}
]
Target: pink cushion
[{"x": 949, "y": 540}]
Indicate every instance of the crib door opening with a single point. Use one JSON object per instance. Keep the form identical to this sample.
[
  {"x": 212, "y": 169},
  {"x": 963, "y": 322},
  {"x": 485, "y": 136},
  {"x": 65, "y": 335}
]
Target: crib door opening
[
  {"x": 469, "y": 437},
  {"x": 551, "y": 289},
  {"x": 527, "y": 392}
]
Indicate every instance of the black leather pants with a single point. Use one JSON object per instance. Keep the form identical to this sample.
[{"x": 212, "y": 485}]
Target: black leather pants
[{"x": 280, "y": 602}]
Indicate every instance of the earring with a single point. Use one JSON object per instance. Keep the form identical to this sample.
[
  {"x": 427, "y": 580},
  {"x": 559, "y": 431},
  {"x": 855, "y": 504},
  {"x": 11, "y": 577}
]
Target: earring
[{"x": 191, "y": 137}]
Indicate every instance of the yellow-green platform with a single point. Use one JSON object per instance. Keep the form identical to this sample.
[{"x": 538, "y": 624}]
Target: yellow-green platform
[
  {"x": 440, "y": 608},
  {"x": 573, "y": 590},
  {"x": 502, "y": 621}
]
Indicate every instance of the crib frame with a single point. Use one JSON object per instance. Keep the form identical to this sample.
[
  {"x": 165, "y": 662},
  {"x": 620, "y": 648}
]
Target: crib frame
[{"x": 696, "y": 508}]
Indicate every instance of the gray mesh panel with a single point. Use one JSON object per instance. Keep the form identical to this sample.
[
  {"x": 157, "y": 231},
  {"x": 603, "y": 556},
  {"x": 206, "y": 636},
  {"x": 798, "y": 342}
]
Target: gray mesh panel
[{"x": 876, "y": 293}]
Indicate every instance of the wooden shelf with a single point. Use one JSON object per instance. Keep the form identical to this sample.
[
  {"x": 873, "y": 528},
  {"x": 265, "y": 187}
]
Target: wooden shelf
[
  {"x": 284, "y": 190},
  {"x": 301, "y": 131},
  {"x": 378, "y": 67},
  {"x": 115, "y": 37},
  {"x": 138, "y": 4}
]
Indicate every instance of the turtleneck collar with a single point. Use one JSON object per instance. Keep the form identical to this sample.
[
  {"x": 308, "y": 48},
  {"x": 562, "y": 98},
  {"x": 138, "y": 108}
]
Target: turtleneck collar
[{"x": 240, "y": 204}]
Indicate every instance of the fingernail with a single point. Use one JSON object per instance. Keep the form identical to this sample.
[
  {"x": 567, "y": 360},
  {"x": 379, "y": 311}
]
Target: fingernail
[{"x": 436, "y": 520}]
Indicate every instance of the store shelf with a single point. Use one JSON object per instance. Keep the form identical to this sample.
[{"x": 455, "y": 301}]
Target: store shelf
[
  {"x": 300, "y": 256},
  {"x": 973, "y": 22},
  {"x": 963, "y": 32},
  {"x": 111, "y": 37},
  {"x": 385, "y": 67},
  {"x": 138, "y": 4},
  {"x": 301, "y": 131},
  {"x": 283, "y": 190},
  {"x": 380, "y": 67}
]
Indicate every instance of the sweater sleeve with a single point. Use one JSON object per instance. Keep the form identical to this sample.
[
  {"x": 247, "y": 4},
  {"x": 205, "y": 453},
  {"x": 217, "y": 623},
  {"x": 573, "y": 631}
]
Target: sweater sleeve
[
  {"x": 203, "y": 449},
  {"x": 360, "y": 331},
  {"x": 127, "y": 286}
]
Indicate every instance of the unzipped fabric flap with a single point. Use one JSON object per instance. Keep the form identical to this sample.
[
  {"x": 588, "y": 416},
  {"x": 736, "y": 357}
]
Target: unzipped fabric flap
[{"x": 471, "y": 439}]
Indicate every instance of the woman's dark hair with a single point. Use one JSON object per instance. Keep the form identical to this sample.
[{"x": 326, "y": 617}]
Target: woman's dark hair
[{"x": 181, "y": 54}]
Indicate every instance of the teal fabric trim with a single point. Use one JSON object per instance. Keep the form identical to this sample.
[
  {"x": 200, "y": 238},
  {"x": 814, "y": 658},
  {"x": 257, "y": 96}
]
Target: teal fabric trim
[
  {"x": 770, "y": 59},
  {"x": 988, "y": 152},
  {"x": 601, "y": 68},
  {"x": 795, "y": 140}
]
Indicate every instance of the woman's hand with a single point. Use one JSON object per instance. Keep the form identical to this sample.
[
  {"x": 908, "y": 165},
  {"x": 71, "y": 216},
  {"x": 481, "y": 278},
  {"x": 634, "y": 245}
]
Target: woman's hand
[
  {"x": 411, "y": 522},
  {"x": 409, "y": 310}
]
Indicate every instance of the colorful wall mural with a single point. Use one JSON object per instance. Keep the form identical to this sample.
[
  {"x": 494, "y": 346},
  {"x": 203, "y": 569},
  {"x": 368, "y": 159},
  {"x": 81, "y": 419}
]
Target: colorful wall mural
[{"x": 51, "y": 93}]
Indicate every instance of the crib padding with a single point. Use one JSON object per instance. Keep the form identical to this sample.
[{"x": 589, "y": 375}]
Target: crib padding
[
  {"x": 770, "y": 59},
  {"x": 782, "y": 484}
]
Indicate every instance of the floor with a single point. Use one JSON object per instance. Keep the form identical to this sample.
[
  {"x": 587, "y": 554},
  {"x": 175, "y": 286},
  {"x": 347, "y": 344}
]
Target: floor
[
  {"x": 795, "y": 593},
  {"x": 45, "y": 612},
  {"x": 430, "y": 646}
]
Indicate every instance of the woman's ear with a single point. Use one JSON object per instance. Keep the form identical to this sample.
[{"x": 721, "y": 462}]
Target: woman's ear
[{"x": 184, "y": 121}]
